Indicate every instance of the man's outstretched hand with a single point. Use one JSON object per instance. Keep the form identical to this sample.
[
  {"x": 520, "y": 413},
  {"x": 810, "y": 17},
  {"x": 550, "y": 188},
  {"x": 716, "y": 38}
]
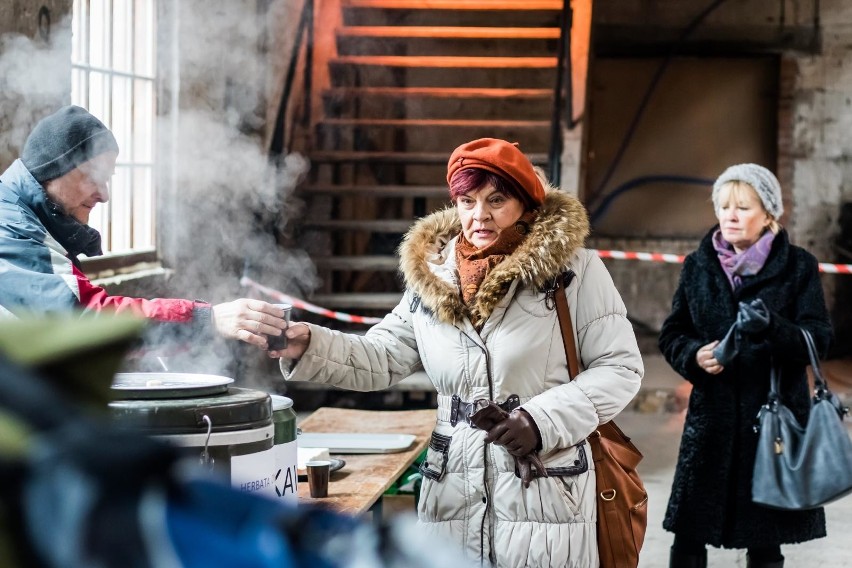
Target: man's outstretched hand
[{"x": 248, "y": 320}]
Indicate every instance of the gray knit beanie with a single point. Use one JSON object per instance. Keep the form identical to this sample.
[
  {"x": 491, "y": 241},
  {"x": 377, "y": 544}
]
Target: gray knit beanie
[
  {"x": 762, "y": 180},
  {"x": 63, "y": 140}
]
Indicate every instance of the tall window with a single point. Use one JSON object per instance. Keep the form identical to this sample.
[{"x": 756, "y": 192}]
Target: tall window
[{"x": 113, "y": 62}]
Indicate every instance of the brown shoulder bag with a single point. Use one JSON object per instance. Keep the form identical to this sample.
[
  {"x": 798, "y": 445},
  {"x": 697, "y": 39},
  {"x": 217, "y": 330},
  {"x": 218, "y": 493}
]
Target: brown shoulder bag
[{"x": 621, "y": 500}]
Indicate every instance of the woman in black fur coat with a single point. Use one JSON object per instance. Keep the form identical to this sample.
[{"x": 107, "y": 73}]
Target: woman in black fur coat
[{"x": 748, "y": 256}]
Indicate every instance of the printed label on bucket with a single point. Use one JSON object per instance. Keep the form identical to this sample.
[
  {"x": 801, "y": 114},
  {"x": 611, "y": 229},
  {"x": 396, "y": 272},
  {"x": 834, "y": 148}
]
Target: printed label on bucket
[
  {"x": 286, "y": 478},
  {"x": 253, "y": 473}
]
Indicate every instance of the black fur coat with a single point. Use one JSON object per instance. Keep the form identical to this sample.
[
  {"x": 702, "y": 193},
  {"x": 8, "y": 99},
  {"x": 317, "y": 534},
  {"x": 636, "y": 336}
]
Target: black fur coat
[{"x": 711, "y": 493}]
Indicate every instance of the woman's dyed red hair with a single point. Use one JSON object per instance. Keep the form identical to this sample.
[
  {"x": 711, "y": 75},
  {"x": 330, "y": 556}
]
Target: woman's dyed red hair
[{"x": 471, "y": 179}]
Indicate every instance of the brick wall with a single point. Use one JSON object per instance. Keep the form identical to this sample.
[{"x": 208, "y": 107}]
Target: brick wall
[
  {"x": 821, "y": 148},
  {"x": 35, "y": 67},
  {"x": 814, "y": 120},
  {"x": 821, "y": 115}
]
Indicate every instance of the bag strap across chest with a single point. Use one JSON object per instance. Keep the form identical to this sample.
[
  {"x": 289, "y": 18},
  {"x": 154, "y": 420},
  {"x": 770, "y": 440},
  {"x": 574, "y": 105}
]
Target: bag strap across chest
[
  {"x": 563, "y": 312},
  {"x": 622, "y": 502}
]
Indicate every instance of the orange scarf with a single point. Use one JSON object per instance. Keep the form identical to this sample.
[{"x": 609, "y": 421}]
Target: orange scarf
[{"x": 475, "y": 264}]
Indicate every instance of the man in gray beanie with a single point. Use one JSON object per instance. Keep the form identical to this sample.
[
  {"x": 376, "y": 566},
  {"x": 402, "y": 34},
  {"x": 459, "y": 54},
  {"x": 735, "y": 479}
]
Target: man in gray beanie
[
  {"x": 46, "y": 197},
  {"x": 62, "y": 141}
]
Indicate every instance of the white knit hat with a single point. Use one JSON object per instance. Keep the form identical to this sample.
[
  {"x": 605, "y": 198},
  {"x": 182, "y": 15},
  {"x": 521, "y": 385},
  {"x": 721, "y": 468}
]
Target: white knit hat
[{"x": 762, "y": 180}]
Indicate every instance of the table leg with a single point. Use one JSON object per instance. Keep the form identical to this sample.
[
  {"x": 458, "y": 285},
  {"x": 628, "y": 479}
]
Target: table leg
[{"x": 376, "y": 510}]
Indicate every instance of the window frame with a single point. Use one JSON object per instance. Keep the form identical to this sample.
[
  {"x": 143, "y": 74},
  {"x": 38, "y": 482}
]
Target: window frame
[{"x": 141, "y": 176}]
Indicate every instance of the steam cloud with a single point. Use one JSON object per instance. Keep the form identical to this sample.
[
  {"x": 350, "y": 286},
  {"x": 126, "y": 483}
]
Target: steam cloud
[
  {"x": 231, "y": 200},
  {"x": 36, "y": 78},
  {"x": 228, "y": 201}
]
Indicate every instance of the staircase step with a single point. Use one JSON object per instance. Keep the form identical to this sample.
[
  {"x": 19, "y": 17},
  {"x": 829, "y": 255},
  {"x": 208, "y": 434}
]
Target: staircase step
[
  {"x": 442, "y": 71},
  {"x": 448, "y": 32},
  {"x": 372, "y": 225},
  {"x": 427, "y": 123},
  {"x": 366, "y": 262},
  {"x": 399, "y": 157},
  {"x": 424, "y": 41},
  {"x": 445, "y": 46},
  {"x": 427, "y": 135},
  {"x": 381, "y": 157},
  {"x": 441, "y": 13},
  {"x": 360, "y": 301},
  {"x": 439, "y": 102},
  {"x": 340, "y": 93},
  {"x": 439, "y": 191},
  {"x": 446, "y": 62},
  {"x": 520, "y": 5}
]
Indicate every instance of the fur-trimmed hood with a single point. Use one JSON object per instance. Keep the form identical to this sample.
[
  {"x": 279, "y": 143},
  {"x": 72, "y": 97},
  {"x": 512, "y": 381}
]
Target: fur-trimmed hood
[{"x": 559, "y": 230}]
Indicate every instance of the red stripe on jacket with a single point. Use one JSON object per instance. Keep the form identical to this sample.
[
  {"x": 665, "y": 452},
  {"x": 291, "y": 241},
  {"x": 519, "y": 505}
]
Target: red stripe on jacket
[{"x": 161, "y": 309}]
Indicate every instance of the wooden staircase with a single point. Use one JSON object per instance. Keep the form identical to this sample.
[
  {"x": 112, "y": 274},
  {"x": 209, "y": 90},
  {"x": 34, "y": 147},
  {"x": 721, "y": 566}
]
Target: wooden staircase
[{"x": 410, "y": 80}]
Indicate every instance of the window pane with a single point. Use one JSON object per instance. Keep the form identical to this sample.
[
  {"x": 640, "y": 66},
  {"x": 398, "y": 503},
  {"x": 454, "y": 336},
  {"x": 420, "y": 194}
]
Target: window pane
[
  {"x": 112, "y": 75},
  {"x": 143, "y": 121},
  {"x": 144, "y": 38},
  {"x": 122, "y": 35},
  {"x": 99, "y": 96},
  {"x": 99, "y": 37},
  {"x": 78, "y": 32},
  {"x": 143, "y": 207},
  {"x": 79, "y": 95},
  {"x": 121, "y": 210},
  {"x": 122, "y": 109}
]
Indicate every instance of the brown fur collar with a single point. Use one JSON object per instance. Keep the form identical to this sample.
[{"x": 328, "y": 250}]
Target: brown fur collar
[{"x": 560, "y": 229}]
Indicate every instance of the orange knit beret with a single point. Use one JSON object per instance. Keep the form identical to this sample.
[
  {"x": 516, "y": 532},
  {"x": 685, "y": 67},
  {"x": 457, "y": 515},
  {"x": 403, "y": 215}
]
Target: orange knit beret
[{"x": 500, "y": 157}]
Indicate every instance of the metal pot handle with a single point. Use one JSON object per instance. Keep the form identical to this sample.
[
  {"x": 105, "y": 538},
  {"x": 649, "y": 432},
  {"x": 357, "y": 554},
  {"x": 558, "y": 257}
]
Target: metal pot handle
[{"x": 206, "y": 459}]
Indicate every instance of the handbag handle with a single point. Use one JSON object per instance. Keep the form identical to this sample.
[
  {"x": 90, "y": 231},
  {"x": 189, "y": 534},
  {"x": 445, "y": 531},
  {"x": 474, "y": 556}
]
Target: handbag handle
[
  {"x": 821, "y": 390},
  {"x": 820, "y": 384}
]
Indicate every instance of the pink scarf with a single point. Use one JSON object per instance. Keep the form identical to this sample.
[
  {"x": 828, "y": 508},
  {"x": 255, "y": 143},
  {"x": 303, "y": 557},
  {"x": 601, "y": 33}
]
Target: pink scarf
[{"x": 746, "y": 263}]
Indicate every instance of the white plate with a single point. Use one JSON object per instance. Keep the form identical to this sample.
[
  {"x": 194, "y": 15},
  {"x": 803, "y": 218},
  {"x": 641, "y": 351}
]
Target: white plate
[{"x": 342, "y": 443}]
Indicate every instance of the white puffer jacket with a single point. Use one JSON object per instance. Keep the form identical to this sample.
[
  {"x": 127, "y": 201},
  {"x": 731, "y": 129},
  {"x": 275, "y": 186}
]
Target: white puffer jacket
[{"x": 470, "y": 492}]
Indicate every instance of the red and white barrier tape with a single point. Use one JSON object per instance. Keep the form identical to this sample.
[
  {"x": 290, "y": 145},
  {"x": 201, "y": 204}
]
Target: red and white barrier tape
[
  {"x": 307, "y": 306},
  {"x": 826, "y": 267},
  {"x": 646, "y": 256},
  {"x": 829, "y": 268}
]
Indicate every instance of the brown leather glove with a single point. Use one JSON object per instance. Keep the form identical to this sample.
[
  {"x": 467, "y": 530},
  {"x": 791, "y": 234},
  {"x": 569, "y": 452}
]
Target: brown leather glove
[
  {"x": 524, "y": 467},
  {"x": 488, "y": 417},
  {"x": 517, "y": 433}
]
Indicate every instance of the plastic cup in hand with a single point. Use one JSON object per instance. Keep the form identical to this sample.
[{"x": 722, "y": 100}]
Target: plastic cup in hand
[
  {"x": 279, "y": 342},
  {"x": 318, "y": 472}
]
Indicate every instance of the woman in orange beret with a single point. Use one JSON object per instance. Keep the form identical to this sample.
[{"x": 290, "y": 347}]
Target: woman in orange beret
[{"x": 478, "y": 317}]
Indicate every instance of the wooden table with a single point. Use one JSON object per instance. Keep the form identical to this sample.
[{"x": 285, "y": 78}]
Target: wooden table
[{"x": 359, "y": 485}]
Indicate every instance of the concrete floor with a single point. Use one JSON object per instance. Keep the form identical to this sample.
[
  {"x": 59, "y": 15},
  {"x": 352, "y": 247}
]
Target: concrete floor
[{"x": 657, "y": 435}]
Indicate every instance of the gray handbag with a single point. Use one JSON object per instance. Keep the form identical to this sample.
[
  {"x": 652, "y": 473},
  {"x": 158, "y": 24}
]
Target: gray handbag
[{"x": 799, "y": 467}]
